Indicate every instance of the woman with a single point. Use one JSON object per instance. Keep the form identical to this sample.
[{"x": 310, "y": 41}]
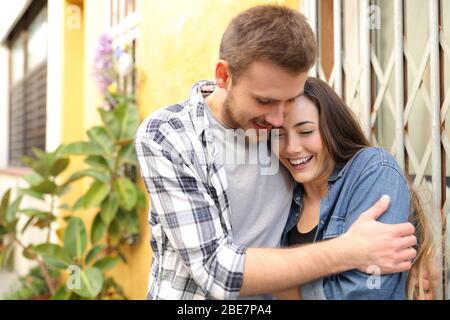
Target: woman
[{"x": 340, "y": 175}]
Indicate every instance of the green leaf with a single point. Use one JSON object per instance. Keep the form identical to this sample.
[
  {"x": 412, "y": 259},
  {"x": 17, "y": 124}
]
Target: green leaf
[
  {"x": 33, "y": 179},
  {"x": 96, "y": 194},
  {"x": 97, "y": 161},
  {"x": 126, "y": 192},
  {"x": 94, "y": 252},
  {"x": 114, "y": 233},
  {"x": 29, "y": 253},
  {"x": 4, "y": 204},
  {"x": 39, "y": 218},
  {"x": 43, "y": 163},
  {"x": 55, "y": 254},
  {"x": 75, "y": 238},
  {"x": 111, "y": 123},
  {"x": 8, "y": 258},
  {"x": 96, "y": 174},
  {"x": 141, "y": 199},
  {"x": 11, "y": 212},
  {"x": 33, "y": 194},
  {"x": 128, "y": 117},
  {"x": 3, "y": 230},
  {"x": 79, "y": 204},
  {"x": 57, "y": 264},
  {"x": 62, "y": 294},
  {"x": 109, "y": 209},
  {"x": 27, "y": 224},
  {"x": 28, "y": 161},
  {"x": 8, "y": 228},
  {"x": 59, "y": 166},
  {"x": 46, "y": 186},
  {"x": 37, "y": 213},
  {"x": 82, "y": 148},
  {"x": 39, "y": 153},
  {"x": 91, "y": 283},
  {"x": 62, "y": 190},
  {"x": 133, "y": 222},
  {"x": 107, "y": 263},
  {"x": 99, "y": 136},
  {"x": 98, "y": 229},
  {"x": 127, "y": 154}
]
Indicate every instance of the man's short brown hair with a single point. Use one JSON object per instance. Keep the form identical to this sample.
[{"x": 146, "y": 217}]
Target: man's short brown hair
[{"x": 269, "y": 32}]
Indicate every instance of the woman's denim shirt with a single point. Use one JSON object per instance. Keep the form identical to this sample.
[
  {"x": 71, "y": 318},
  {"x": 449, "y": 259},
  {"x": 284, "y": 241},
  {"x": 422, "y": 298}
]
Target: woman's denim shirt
[{"x": 352, "y": 189}]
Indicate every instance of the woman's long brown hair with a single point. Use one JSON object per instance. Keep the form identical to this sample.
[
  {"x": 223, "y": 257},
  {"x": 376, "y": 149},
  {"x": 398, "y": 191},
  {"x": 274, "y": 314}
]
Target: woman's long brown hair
[{"x": 343, "y": 137}]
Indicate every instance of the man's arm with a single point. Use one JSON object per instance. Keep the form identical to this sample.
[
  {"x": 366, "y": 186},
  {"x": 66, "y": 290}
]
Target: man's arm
[{"x": 368, "y": 242}]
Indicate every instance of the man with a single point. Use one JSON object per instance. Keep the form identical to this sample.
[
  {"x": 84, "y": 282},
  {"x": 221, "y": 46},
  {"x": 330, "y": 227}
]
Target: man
[{"x": 216, "y": 225}]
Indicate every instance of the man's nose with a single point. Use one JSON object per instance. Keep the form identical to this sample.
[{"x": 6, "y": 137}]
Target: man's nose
[{"x": 276, "y": 116}]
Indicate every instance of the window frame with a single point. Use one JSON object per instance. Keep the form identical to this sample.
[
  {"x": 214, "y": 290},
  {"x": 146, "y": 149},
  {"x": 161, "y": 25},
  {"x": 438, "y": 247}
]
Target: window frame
[{"x": 21, "y": 31}]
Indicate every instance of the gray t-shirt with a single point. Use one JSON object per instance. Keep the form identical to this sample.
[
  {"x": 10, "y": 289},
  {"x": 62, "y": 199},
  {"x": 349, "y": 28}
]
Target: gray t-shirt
[{"x": 260, "y": 192}]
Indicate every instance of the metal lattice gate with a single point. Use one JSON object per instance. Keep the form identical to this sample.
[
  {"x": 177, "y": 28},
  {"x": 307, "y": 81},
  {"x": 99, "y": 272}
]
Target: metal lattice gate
[{"x": 389, "y": 60}]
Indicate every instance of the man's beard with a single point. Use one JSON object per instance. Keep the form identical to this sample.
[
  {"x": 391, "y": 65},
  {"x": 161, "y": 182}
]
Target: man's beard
[
  {"x": 237, "y": 122},
  {"x": 232, "y": 119}
]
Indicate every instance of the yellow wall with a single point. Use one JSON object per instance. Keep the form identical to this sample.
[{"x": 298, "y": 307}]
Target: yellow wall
[
  {"x": 178, "y": 44},
  {"x": 72, "y": 127},
  {"x": 73, "y": 113}
]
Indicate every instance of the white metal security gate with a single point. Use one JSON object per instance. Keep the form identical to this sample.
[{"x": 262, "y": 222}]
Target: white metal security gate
[{"x": 390, "y": 62}]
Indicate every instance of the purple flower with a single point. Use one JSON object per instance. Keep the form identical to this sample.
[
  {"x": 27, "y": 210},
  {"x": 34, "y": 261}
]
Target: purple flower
[{"x": 103, "y": 62}]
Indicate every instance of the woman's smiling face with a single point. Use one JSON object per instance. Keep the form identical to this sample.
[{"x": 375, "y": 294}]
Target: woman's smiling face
[{"x": 300, "y": 144}]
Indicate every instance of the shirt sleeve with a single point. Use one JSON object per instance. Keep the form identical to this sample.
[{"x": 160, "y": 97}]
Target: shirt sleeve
[
  {"x": 190, "y": 219},
  {"x": 368, "y": 189}
]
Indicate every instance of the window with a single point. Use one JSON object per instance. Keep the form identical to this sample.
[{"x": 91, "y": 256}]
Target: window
[
  {"x": 124, "y": 24},
  {"x": 28, "y": 83},
  {"x": 121, "y": 9}
]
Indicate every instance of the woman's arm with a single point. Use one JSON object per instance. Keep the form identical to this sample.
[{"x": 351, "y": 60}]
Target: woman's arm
[{"x": 369, "y": 284}]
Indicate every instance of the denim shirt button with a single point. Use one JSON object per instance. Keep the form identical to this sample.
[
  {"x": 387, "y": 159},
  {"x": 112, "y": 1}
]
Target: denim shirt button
[{"x": 322, "y": 222}]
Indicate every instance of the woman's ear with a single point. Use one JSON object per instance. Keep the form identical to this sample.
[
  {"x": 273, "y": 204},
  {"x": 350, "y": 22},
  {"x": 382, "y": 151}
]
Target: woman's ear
[{"x": 222, "y": 74}]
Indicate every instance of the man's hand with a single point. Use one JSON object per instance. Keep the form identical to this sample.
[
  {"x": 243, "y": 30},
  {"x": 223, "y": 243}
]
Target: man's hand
[{"x": 387, "y": 247}]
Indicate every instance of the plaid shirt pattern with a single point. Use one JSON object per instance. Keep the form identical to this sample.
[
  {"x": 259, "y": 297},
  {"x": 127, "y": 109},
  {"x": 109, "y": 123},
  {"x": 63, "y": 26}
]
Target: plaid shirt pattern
[{"x": 189, "y": 216}]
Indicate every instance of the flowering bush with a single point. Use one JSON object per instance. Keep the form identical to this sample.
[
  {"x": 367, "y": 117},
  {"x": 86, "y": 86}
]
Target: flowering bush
[
  {"x": 111, "y": 167},
  {"x": 111, "y": 65}
]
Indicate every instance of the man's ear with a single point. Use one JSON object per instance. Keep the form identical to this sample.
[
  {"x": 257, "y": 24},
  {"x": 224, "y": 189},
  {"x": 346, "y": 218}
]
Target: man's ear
[{"x": 223, "y": 78}]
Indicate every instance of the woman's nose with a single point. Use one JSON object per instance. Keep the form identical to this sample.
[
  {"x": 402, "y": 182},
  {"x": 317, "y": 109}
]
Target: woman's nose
[{"x": 293, "y": 146}]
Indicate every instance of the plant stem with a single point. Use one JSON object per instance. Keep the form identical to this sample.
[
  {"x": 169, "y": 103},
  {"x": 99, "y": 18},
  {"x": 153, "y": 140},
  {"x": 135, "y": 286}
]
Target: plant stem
[
  {"x": 42, "y": 267},
  {"x": 48, "y": 279}
]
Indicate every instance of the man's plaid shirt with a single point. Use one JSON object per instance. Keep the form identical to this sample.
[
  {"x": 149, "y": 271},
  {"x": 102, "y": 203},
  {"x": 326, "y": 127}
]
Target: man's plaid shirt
[{"x": 193, "y": 253}]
